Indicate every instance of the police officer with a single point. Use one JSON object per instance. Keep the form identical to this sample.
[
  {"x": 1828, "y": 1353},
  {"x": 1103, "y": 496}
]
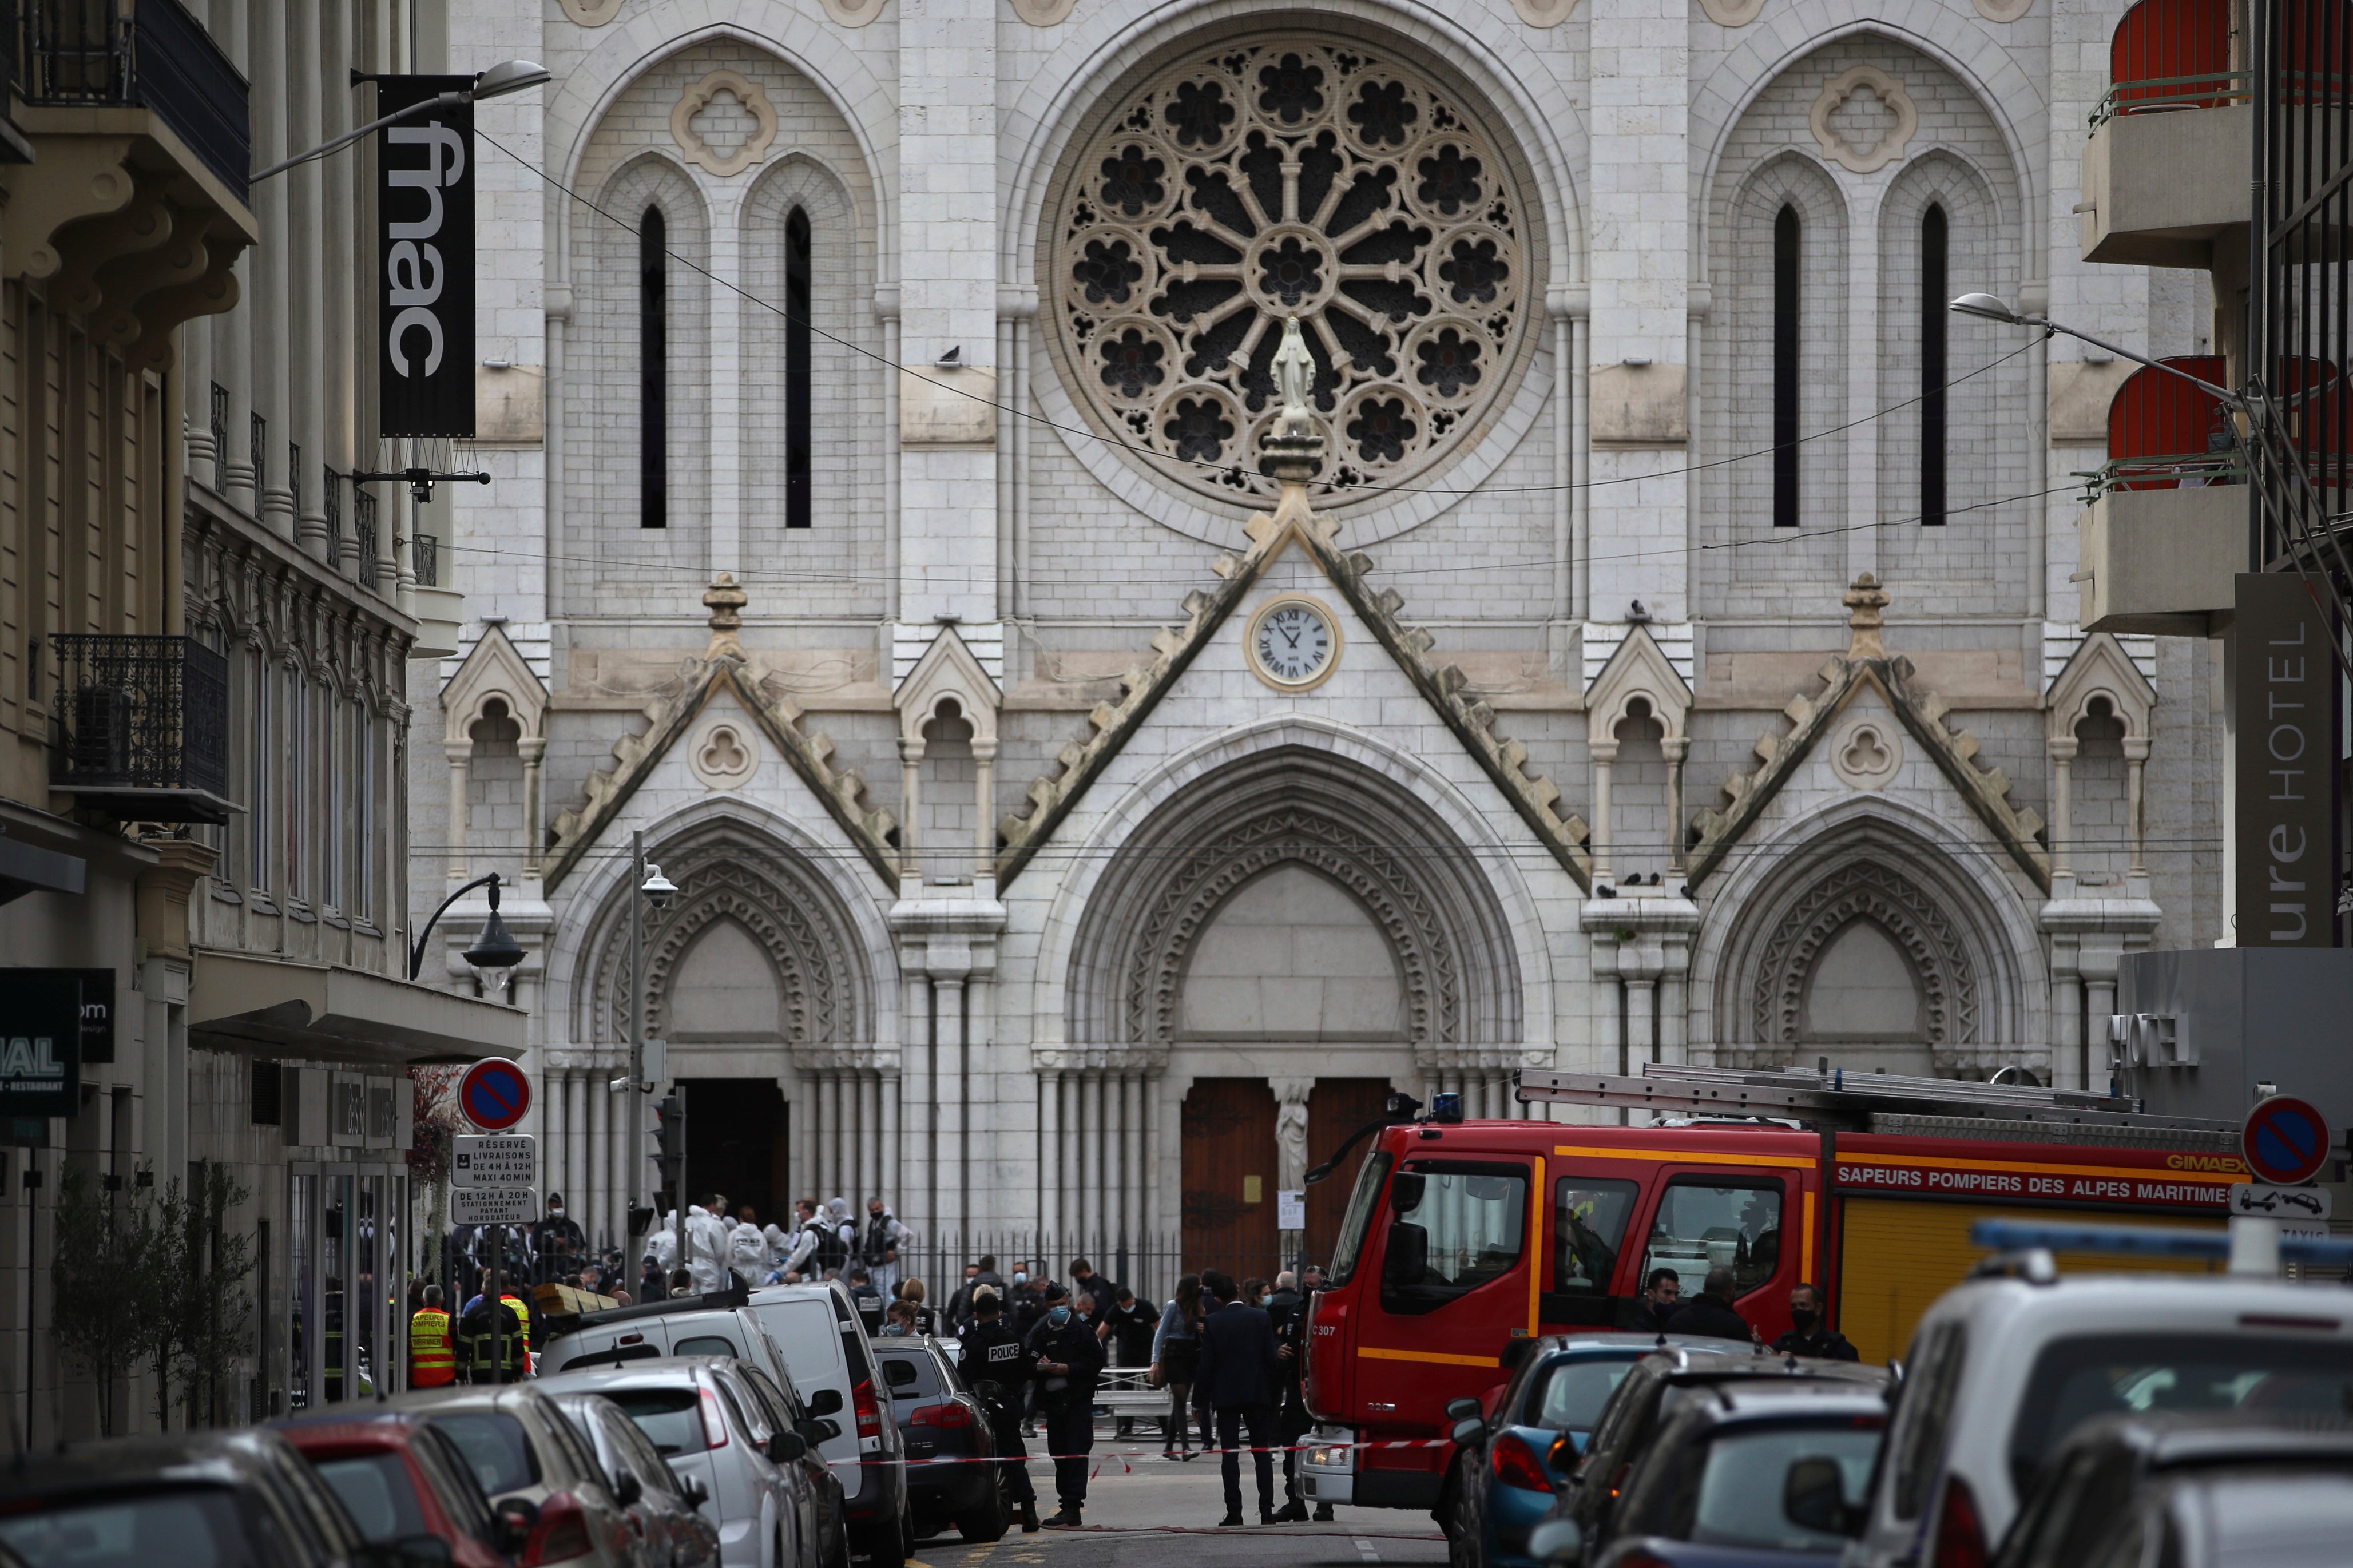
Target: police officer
[
  {"x": 1069, "y": 1357},
  {"x": 1812, "y": 1336},
  {"x": 998, "y": 1365}
]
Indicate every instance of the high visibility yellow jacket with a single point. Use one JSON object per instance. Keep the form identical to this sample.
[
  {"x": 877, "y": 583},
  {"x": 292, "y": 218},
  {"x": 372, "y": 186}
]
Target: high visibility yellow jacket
[{"x": 432, "y": 1355}]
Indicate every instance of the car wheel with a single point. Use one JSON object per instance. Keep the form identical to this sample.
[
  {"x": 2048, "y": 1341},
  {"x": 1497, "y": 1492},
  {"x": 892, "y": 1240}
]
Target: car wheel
[
  {"x": 990, "y": 1521},
  {"x": 1463, "y": 1525}
]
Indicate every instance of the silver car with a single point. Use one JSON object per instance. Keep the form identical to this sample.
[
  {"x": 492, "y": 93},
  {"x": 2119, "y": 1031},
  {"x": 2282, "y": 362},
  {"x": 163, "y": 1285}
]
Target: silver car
[
  {"x": 713, "y": 1427},
  {"x": 532, "y": 1463}
]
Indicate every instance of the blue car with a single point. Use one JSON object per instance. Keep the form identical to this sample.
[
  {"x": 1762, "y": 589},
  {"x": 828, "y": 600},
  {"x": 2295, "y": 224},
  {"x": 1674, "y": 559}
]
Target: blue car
[{"x": 1531, "y": 1432}]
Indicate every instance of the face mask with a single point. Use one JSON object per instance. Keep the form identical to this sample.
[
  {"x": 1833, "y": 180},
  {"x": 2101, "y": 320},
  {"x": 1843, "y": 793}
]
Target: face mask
[
  {"x": 555, "y": 1213},
  {"x": 895, "y": 1331},
  {"x": 1058, "y": 1316},
  {"x": 1019, "y": 1278},
  {"x": 1805, "y": 1319}
]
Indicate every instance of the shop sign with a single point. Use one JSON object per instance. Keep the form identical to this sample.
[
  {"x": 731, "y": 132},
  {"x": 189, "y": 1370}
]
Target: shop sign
[
  {"x": 425, "y": 255},
  {"x": 2129, "y": 1178},
  {"x": 40, "y": 1041}
]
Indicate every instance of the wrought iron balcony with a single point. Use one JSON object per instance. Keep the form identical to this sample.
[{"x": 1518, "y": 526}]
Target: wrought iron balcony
[
  {"x": 141, "y": 728},
  {"x": 139, "y": 54}
]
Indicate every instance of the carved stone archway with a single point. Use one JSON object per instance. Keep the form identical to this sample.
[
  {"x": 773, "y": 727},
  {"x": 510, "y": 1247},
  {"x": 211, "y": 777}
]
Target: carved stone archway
[
  {"x": 1289, "y": 806},
  {"x": 1909, "y": 916}
]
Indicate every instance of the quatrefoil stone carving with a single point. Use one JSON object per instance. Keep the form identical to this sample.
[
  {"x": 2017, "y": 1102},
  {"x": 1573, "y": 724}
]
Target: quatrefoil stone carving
[
  {"x": 740, "y": 156},
  {"x": 1893, "y": 138}
]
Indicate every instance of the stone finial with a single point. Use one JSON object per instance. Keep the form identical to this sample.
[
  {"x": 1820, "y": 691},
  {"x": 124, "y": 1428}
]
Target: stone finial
[
  {"x": 1864, "y": 601},
  {"x": 726, "y": 602}
]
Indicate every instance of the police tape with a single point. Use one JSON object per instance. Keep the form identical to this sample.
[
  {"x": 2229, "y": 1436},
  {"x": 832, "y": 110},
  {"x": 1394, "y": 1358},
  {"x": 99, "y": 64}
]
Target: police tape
[{"x": 1206, "y": 1451}]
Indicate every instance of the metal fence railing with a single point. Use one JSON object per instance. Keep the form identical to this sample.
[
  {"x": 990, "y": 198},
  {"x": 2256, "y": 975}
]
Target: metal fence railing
[
  {"x": 141, "y": 712},
  {"x": 150, "y": 54},
  {"x": 1150, "y": 1264}
]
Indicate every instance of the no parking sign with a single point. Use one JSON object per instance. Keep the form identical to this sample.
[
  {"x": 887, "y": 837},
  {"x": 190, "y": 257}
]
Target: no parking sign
[
  {"x": 2285, "y": 1140},
  {"x": 494, "y": 1094}
]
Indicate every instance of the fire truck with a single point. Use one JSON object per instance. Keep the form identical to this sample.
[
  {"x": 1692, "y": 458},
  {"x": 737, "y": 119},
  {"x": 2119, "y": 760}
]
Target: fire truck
[{"x": 1461, "y": 1236}]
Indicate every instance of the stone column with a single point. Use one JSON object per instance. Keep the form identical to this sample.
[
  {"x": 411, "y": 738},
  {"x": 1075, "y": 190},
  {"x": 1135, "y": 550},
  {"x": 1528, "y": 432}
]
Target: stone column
[
  {"x": 1676, "y": 748},
  {"x": 1074, "y": 1209},
  {"x": 460, "y": 754},
  {"x": 579, "y": 1086},
  {"x": 1050, "y": 1143},
  {"x": 1641, "y": 1004},
  {"x": 871, "y": 1149},
  {"x": 1091, "y": 1157},
  {"x": 1131, "y": 1161},
  {"x": 948, "y": 1057},
  {"x": 533, "y": 750},
  {"x": 1604, "y": 753},
  {"x": 911, "y": 761},
  {"x": 920, "y": 1073},
  {"x": 2135, "y": 762},
  {"x": 2063, "y": 806},
  {"x": 983, "y": 759},
  {"x": 893, "y": 1184}
]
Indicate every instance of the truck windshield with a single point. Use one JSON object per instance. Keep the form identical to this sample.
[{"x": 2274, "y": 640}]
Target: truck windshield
[
  {"x": 1457, "y": 1227},
  {"x": 2098, "y": 1375},
  {"x": 1588, "y": 1227},
  {"x": 1358, "y": 1218},
  {"x": 1717, "y": 1222}
]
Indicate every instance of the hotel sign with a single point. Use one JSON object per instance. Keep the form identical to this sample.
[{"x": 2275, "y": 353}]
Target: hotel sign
[{"x": 2286, "y": 712}]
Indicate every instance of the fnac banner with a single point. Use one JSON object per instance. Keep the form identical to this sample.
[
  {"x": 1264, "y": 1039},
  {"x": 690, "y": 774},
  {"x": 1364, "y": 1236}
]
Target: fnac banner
[{"x": 425, "y": 250}]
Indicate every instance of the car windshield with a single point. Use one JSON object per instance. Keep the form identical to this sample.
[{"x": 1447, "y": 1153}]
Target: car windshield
[
  {"x": 377, "y": 1490},
  {"x": 495, "y": 1448},
  {"x": 195, "y": 1529},
  {"x": 1738, "y": 1498},
  {"x": 669, "y": 1417},
  {"x": 2099, "y": 1374},
  {"x": 1571, "y": 1394}
]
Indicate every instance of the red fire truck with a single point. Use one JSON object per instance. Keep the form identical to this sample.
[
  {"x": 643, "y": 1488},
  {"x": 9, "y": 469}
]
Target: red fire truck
[{"x": 1461, "y": 1236}]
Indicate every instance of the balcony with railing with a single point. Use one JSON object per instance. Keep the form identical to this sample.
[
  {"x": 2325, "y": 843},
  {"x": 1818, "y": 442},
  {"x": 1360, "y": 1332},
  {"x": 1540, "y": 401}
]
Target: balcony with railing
[
  {"x": 2165, "y": 521},
  {"x": 141, "y": 728},
  {"x": 2166, "y": 172},
  {"x": 103, "y": 88}
]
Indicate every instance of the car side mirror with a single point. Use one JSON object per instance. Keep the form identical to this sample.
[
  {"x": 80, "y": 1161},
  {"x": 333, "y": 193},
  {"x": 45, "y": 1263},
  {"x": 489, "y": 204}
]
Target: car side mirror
[
  {"x": 627, "y": 1489},
  {"x": 1562, "y": 1455},
  {"x": 1813, "y": 1495},
  {"x": 1468, "y": 1430},
  {"x": 825, "y": 1402},
  {"x": 1556, "y": 1542},
  {"x": 1464, "y": 1409},
  {"x": 517, "y": 1518},
  {"x": 691, "y": 1489},
  {"x": 785, "y": 1447}
]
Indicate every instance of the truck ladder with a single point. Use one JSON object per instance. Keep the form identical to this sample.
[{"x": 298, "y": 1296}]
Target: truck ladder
[{"x": 1837, "y": 1100}]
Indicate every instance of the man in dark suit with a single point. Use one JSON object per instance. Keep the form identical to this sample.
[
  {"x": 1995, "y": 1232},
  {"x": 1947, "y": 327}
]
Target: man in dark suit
[
  {"x": 1239, "y": 1373},
  {"x": 1711, "y": 1312}
]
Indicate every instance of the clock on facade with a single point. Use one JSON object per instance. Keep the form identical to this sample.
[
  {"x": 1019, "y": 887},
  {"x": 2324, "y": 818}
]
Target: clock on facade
[{"x": 1293, "y": 643}]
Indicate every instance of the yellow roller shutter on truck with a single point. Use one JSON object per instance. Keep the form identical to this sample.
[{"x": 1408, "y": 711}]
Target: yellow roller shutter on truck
[{"x": 1897, "y": 1256}]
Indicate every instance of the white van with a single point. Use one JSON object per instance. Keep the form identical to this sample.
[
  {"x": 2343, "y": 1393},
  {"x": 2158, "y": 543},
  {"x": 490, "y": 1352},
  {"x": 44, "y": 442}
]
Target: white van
[
  {"x": 817, "y": 1329},
  {"x": 2002, "y": 1369}
]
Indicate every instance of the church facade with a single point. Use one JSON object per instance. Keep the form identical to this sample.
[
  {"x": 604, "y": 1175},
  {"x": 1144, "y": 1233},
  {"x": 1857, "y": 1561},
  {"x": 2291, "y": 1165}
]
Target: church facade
[{"x": 1668, "y": 652}]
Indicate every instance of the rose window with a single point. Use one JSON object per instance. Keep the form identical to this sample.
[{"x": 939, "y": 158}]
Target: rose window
[{"x": 1284, "y": 180}]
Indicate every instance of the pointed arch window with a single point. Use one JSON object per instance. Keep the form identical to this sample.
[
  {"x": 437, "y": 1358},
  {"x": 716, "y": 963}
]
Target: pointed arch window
[
  {"x": 796, "y": 370},
  {"x": 1786, "y": 274},
  {"x": 653, "y": 371},
  {"x": 1932, "y": 366}
]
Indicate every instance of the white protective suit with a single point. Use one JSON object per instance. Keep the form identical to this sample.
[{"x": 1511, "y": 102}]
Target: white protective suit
[
  {"x": 706, "y": 1246},
  {"x": 747, "y": 1255}
]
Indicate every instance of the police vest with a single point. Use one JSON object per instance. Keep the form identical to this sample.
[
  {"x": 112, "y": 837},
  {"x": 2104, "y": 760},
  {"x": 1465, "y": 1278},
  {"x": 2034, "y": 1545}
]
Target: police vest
[{"x": 432, "y": 1359}]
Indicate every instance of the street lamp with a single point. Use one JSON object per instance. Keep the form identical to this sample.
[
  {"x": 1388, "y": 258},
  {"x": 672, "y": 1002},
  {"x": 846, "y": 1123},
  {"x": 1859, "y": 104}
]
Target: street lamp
[
  {"x": 506, "y": 77},
  {"x": 648, "y": 886},
  {"x": 495, "y": 952},
  {"x": 1987, "y": 308}
]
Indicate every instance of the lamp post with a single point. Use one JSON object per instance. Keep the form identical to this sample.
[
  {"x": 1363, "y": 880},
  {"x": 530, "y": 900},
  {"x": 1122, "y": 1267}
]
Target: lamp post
[
  {"x": 1987, "y": 308},
  {"x": 657, "y": 890},
  {"x": 494, "y": 951},
  {"x": 506, "y": 77}
]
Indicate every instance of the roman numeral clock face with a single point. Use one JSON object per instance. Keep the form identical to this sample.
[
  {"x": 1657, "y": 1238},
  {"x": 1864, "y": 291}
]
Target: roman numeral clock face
[{"x": 1293, "y": 644}]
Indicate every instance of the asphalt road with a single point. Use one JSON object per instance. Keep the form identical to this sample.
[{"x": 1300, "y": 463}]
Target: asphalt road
[{"x": 1140, "y": 1507}]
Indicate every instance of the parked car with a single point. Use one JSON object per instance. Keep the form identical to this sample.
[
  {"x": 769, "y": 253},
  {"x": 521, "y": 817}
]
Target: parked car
[
  {"x": 674, "y": 1528},
  {"x": 1651, "y": 1392},
  {"x": 2203, "y": 1491},
  {"x": 530, "y": 1461},
  {"x": 951, "y": 1458},
  {"x": 243, "y": 1497},
  {"x": 2005, "y": 1365},
  {"x": 1747, "y": 1475},
  {"x": 400, "y": 1478},
  {"x": 716, "y": 1324},
  {"x": 831, "y": 1362},
  {"x": 1516, "y": 1448},
  {"x": 717, "y": 1437}
]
